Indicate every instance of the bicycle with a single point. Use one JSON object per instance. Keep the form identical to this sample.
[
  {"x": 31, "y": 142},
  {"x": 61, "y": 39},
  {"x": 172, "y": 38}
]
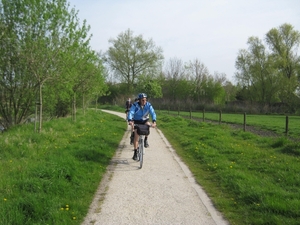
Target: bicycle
[{"x": 142, "y": 130}]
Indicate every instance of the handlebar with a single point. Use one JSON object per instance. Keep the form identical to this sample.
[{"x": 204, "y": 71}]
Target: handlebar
[{"x": 147, "y": 123}]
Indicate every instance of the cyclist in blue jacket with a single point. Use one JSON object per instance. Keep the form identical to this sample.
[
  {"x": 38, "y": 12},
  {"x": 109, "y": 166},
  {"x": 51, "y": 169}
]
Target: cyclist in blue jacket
[{"x": 139, "y": 114}]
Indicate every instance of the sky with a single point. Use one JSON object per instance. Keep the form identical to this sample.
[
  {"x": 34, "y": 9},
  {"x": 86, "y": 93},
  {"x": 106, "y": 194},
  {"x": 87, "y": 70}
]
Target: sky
[{"x": 211, "y": 31}]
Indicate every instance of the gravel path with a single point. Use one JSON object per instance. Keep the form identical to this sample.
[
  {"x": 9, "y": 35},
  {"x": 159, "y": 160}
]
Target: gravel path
[{"x": 162, "y": 192}]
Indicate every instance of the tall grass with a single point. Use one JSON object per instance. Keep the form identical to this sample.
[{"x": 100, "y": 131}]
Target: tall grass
[
  {"x": 51, "y": 177},
  {"x": 252, "y": 180}
]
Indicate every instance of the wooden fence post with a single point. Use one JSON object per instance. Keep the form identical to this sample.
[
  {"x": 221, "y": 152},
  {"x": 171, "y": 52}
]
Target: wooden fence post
[
  {"x": 220, "y": 117},
  {"x": 203, "y": 115},
  {"x": 244, "y": 121},
  {"x": 190, "y": 113}
]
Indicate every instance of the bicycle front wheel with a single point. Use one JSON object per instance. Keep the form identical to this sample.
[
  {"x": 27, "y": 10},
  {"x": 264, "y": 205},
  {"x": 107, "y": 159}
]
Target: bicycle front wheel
[{"x": 141, "y": 154}]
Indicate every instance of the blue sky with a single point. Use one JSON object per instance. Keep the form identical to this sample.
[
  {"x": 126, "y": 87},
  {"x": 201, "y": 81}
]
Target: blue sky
[{"x": 212, "y": 31}]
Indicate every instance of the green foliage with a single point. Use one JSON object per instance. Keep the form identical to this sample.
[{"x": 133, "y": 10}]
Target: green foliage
[
  {"x": 51, "y": 177},
  {"x": 271, "y": 76},
  {"x": 46, "y": 58},
  {"x": 130, "y": 56},
  {"x": 150, "y": 86},
  {"x": 250, "y": 179}
]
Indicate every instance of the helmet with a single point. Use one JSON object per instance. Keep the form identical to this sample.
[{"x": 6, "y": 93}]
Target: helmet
[{"x": 142, "y": 95}]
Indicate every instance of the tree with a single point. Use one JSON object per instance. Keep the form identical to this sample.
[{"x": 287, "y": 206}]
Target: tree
[
  {"x": 43, "y": 41},
  {"x": 175, "y": 73},
  {"x": 150, "y": 85},
  {"x": 284, "y": 42},
  {"x": 197, "y": 74},
  {"x": 131, "y": 56},
  {"x": 230, "y": 91},
  {"x": 256, "y": 72},
  {"x": 17, "y": 88}
]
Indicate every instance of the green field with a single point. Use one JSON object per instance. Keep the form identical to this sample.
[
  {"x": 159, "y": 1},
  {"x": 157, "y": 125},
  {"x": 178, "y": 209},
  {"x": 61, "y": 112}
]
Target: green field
[
  {"x": 251, "y": 179},
  {"x": 275, "y": 123},
  {"x": 51, "y": 177}
]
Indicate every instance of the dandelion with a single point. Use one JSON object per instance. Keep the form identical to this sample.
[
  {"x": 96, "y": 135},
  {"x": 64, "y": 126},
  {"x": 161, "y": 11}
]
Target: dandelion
[
  {"x": 230, "y": 167},
  {"x": 67, "y": 206},
  {"x": 74, "y": 217},
  {"x": 5, "y": 199},
  {"x": 62, "y": 209}
]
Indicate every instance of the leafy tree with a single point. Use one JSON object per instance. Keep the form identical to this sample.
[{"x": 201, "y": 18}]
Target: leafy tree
[
  {"x": 198, "y": 75},
  {"x": 230, "y": 91},
  {"x": 150, "y": 85},
  {"x": 17, "y": 88},
  {"x": 256, "y": 72},
  {"x": 45, "y": 55},
  {"x": 131, "y": 56},
  {"x": 284, "y": 42}
]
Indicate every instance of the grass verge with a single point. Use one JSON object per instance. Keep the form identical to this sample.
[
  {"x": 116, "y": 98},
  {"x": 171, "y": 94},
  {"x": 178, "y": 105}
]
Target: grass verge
[
  {"x": 51, "y": 177},
  {"x": 251, "y": 180}
]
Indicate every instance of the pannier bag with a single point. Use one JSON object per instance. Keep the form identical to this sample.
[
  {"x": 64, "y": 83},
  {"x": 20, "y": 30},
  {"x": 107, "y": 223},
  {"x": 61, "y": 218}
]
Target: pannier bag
[{"x": 143, "y": 129}]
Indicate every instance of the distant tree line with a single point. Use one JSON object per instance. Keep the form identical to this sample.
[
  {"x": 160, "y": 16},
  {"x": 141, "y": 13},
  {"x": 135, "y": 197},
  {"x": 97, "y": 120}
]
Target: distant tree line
[
  {"x": 267, "y": 75},
  {"x": 47, "y": 67}
]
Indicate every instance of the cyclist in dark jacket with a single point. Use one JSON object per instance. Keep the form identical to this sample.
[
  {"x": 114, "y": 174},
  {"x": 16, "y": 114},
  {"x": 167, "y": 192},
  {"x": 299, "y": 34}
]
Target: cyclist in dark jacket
[
  {"x": 128, "y": 105},
  {"x": 139, "y": 114}
]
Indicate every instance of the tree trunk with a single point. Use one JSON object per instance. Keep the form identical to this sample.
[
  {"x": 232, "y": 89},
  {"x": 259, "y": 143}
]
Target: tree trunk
[
  {"x": 83, "y": 108},
  {"x": 41, "y": 108},
  {"x": 74, "y": 107}
]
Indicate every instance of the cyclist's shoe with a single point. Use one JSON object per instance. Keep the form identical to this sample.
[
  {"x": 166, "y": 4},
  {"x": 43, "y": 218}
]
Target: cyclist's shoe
[
  {"x": 146, "y": 145},
  {"x": 135, "y": 155}
]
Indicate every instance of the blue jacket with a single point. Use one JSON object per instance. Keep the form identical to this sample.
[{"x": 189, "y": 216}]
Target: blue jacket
[{"x": 137, "y": 113}]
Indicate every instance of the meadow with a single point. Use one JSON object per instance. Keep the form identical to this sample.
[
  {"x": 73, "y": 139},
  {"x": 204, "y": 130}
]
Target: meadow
[
  {"x": 251, "y": 179},
  {"x": 51, "y": 177},
  {"x": 274, "y": 123}
]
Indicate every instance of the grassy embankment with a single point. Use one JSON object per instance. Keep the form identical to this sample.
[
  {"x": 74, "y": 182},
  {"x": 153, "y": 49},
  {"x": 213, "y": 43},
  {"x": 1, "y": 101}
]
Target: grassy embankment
[
  {"x": 251, "y": 179},
  {"x": 51, "y": 177}
]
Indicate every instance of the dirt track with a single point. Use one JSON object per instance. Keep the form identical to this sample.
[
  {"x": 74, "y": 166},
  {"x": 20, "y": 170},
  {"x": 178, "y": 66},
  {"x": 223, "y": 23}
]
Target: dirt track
[{"x": 162, "y": 192}]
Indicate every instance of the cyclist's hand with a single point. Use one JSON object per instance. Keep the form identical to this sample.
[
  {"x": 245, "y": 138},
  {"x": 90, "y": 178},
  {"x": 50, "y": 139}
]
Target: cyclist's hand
[
  {"x": 154, "y": 125},
  {"x": 130, "y": 123}
]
